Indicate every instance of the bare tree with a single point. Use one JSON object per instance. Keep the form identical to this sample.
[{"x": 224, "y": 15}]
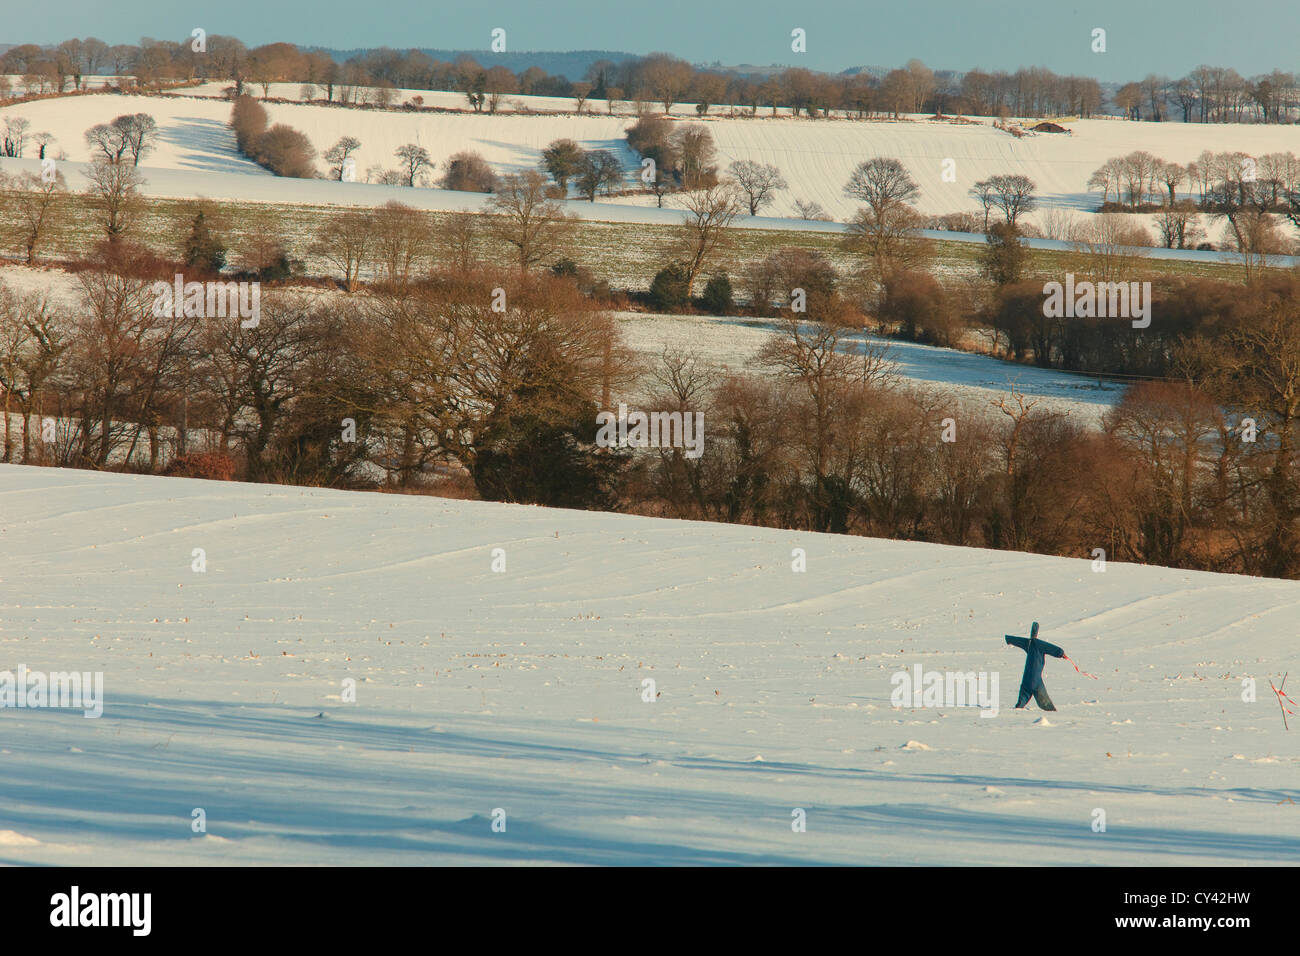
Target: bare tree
[
  {"x": 115, "y": 195},
  {"x": 465, "y": 378},
  {"x": 758, "y": 181},
  {"x": 1184, "y": 93},
  {"x": 707, "y": 89},
  {"x": 338, "y": 154},
  {"x": 809, "y": 209},
  {"x": 666, "y": 77},
  {"x": 1057, "y": 223},
  {"x": 885, "y": 229},
  {"x": 455, "y": 236},
  {"x": 414, "y": 159},
  {"x": 382, "y": 93},
  {"x": 581, "y": 90},
  {"x": 1177, "y": 223},
  {"x": 682, "y": 383},
  {"x": 1129, "y": 98},
  {"x": 1138, "y": 174},
  {"x": 1154, "y": 89},
  {"x": 44, "y": 140},
  {"x": 109, "y": 140},
  {"x": 13, "y": 141},
  {"x": 498, "y": 82},
  {"x": 1257, "y": 374},
  {"x": 1044, "y": 480},
  {"x": 525, "y": 219},
  {"x": 15, "y": 339},
  {"x": 1202, "y": 172},
  {"x": 882, "y": 183},
  {"x": 134, "y": 133},
  {"x": 709, "y": 212},
  {"x": 982, "y": 193},
  {"x": 1172, "y": 175},
  {"x": 347, "y": 242},
  {"x": 1106, "y": 177},
  {"x": 32, "y": 343},
  {"x": 109, "y": 358},
  {"x": 401, "y": 241},
  {"x": 254, "y": 375},
  {"x": 831, "y": 381},
  {"x": 1170, "y": 429},
  {"x": 693, "y": 149},
  {"x": 1257, "y": 237},
  {"x": 1110, "y": 245},
  {"x": 38, "y": 203},
  {"x": 141, "y": 133},
  {"x": 662, "y": 180},
  {"x": 1012, "y": 194},
  {"x": 600, "y": 172},
  {"x": 921, "y": 85}
]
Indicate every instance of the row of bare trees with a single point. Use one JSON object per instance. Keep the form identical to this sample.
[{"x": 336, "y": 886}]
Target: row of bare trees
[
  {"x": 1030, "y": 91},
  {"x": 1252, "y": 194},
  {"x": 37, "y": 204},
  {"x": 1213, "y": 94},
  {"x": 1140, "y": 178},
  {"x": 657, "y": 80},
  {"x": 1207, "y": 94},
  {"x": 396, "y": 243},
  {"x": 134, "y": 133},
  {"x": 494, "y": 375}
]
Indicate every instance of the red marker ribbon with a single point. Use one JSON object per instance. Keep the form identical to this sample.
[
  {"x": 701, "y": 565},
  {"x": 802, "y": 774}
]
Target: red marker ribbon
[{"x": 1076, "y": 667}]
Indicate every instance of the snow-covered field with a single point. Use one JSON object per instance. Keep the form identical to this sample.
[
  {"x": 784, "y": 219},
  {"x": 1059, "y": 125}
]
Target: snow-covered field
[
  {"x": 522, "y": 691},
  {"x": 18, "y": 85},
  {"x": 815, "y": 156},
  {"x": 733, "y": 343}
]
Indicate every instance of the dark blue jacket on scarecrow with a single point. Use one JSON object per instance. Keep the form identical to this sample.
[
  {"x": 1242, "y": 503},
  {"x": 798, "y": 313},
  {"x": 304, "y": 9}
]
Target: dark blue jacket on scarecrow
[{"x": 1031, "y": 682}]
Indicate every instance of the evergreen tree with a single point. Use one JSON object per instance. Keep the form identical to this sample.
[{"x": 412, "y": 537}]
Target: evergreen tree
[
  {"x": 202, "y": 248},
  {"x": 1005, "y": 257},
  {"x": 668, "y": 291},
  {"x": 718, "y": 295}
]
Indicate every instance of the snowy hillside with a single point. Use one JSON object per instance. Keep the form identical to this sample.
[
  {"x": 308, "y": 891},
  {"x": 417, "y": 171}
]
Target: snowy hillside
[
  {"x": 815, "y": 156},
  {"x": 522, "y": 690}
]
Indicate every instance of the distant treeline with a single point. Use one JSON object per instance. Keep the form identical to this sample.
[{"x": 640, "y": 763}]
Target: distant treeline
[
  {"x": 1206, "y": 94},
  {"x": 571, "y": 64}
]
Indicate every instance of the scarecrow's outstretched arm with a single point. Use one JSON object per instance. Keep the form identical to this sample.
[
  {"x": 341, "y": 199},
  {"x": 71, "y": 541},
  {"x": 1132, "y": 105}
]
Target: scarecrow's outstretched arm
[{"x": 1020, "y": 642}]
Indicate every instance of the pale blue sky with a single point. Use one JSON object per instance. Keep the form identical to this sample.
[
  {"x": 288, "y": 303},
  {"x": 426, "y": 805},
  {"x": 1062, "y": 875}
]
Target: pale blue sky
[{"x": 1144, "y": 36}]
